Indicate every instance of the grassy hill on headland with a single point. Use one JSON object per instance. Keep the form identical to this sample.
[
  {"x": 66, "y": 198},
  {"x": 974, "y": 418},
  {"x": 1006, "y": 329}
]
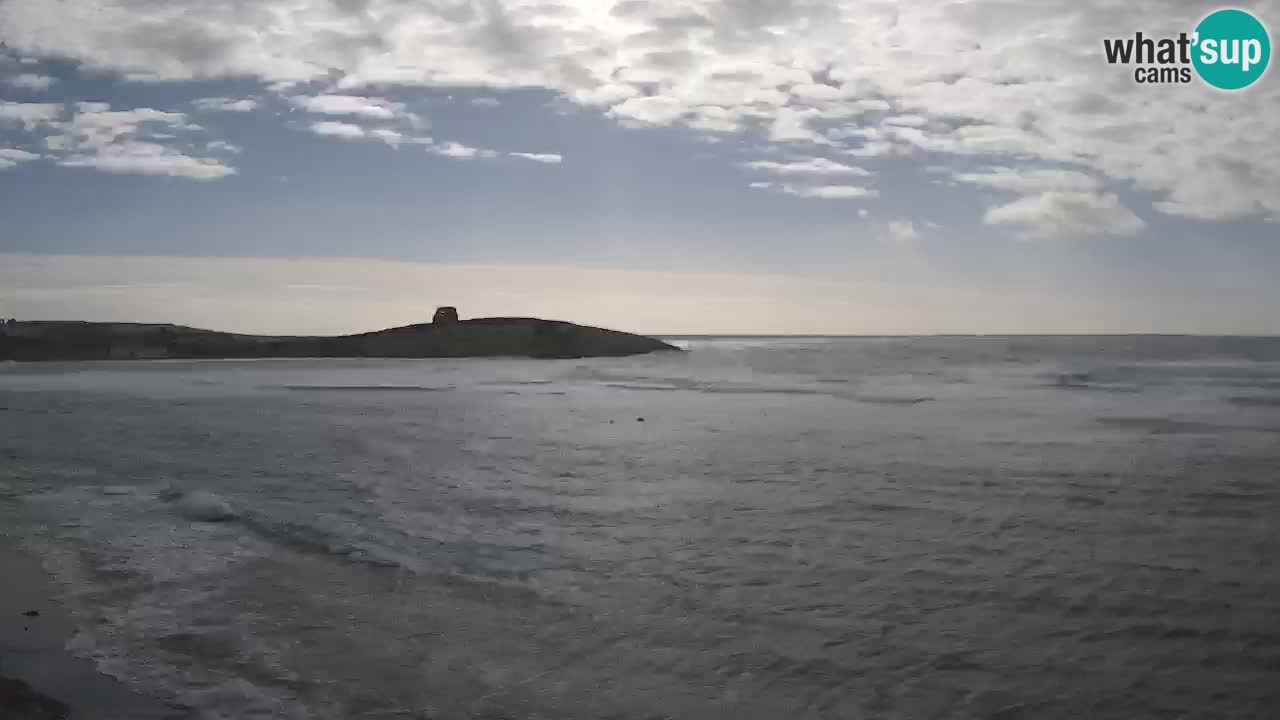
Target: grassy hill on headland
[{"x": 482, "y": 337}]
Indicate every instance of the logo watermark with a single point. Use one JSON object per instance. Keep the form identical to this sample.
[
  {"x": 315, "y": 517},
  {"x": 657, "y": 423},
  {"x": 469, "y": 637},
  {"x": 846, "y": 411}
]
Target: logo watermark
[{"x": 1229, "y": 49}]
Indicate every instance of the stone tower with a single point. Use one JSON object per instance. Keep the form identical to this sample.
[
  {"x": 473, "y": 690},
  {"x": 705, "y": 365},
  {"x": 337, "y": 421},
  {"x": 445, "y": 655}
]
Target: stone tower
[{"x": 445, "y": 315}]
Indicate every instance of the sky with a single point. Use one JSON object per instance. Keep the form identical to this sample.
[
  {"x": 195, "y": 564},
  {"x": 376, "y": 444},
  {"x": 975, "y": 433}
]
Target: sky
[{"x": 700, "y": 166}]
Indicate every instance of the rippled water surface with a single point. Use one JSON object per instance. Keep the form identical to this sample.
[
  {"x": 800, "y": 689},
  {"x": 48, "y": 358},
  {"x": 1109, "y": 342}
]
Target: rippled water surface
[{"x": 758, "y": 528}]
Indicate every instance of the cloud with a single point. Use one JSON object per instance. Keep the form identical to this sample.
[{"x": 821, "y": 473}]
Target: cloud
[
  {"x": 907, "y": 120},
  {"x": 12, "y": 157},
  {"x": 145, "y": 158},
  {"x": 715, "y": 119},
  {"x": 809, "y": 166},
  {"x": 31, "y": 81},
  {"x": 553, "y": 158},
  {"x": 903, "y": 230},
  {"x": 791, "y": 125},
  {"x": 388, "y": 136},
  {"x": 225, "y": 104},
  {"x": 28, "y": 115},
  {"x": 1006, "y": 83},
  {"x": 1056, "y": 202},
  {"x": 649, "y": 111},
  {"x": 374, "y": 108},
  {"x": 1028, "y": 181},
  {"x": 129, "y": 142},
  {"x": 458, "y": 151},
  {"x": 830, "y": 192},
  {"x": 95, "y": 125},
  {"x": 330, "y": 128},
  {"x": 222, "y": 146},
  {"x": 398, "y": 122},
  {"x": 350, "y": 131},
  {"x": 1067, "y": 214},
  {"x": 824, "y": 192}
]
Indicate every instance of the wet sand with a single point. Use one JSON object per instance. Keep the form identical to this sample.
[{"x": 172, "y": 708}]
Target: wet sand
[{"x": 39, "y": 679}]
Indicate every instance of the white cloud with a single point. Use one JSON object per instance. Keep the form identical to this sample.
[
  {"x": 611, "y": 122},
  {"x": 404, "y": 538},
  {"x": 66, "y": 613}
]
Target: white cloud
[
  {"x": 397, "y": 121},
  {"x": 1035, "y": 180},
  {"x": 552, "y": 158},
  {"x": 907, "y": 120},
  {"x": 374, "y": 108},
  {"x": 715, "y": 119},
  {"x": 808, "y": 166},
  {"x": 903, "y": 230},
  {"x": 605, "y": 94},
  {"x": 145, "y": 158},
  {"x": 877, "y": 148},
  {"x": 126, "y": 142},
  {"x": 829, "y": 192},
  {"x": 389, "y": 136},
  {"x": 458, "y": 151},
  {"x": 350, "y": 131},
  {"x": 1067, "y": 214},
  {"x": 225, "y": 104},
  {"x": 649, "y": 110},
  {"x": 222, "y": 146},
  {"x": 1012, "y": 84},
  {"x": 329, "y": 128},
  {"x": 822, "y": 192},
  {"x": 28, "y": 115},
  {"x": 11, "y": 157},
  {"x": 94, "y": 125},
  {"x": 31, "y": 81},
  {"x": 791, "y": 125},
  {"x": 815, "y": 91}
]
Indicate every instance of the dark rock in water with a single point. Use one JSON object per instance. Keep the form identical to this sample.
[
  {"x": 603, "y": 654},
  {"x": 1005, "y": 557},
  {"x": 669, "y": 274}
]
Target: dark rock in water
[
  {"x": 19, "y": 702},
  {"x": 32, "y": 613}
]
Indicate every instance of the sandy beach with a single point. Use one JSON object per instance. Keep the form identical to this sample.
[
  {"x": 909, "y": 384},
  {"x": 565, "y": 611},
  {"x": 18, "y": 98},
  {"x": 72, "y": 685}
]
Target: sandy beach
[{"x": 39, "y": 679}]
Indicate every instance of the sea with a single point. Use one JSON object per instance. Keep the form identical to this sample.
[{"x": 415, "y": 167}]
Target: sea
[{"x": 757, "y": 528}]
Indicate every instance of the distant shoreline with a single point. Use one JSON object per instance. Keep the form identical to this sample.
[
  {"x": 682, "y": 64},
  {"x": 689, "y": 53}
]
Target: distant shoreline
[{"x": 42, "y": 341}]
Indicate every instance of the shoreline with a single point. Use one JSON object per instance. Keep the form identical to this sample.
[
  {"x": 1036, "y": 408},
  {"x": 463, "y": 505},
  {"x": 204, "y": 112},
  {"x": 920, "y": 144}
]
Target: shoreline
[{"x": 39, "y": 678}]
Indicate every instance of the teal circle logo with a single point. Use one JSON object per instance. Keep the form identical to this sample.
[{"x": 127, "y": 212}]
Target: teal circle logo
[{"x": 1232, "y": 49}]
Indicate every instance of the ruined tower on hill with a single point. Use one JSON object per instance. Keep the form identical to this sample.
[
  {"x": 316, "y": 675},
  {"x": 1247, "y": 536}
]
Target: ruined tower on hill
[{"x": 445, "y": 315}]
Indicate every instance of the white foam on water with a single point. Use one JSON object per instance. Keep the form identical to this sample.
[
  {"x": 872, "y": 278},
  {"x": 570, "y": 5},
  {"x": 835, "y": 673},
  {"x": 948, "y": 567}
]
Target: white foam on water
[
  {"x": 138, "y": 577},
  {"x": 205, "y": 506}
]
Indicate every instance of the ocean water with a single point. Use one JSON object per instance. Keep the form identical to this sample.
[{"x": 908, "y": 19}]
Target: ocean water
[{"x": 758, "y": 528}]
